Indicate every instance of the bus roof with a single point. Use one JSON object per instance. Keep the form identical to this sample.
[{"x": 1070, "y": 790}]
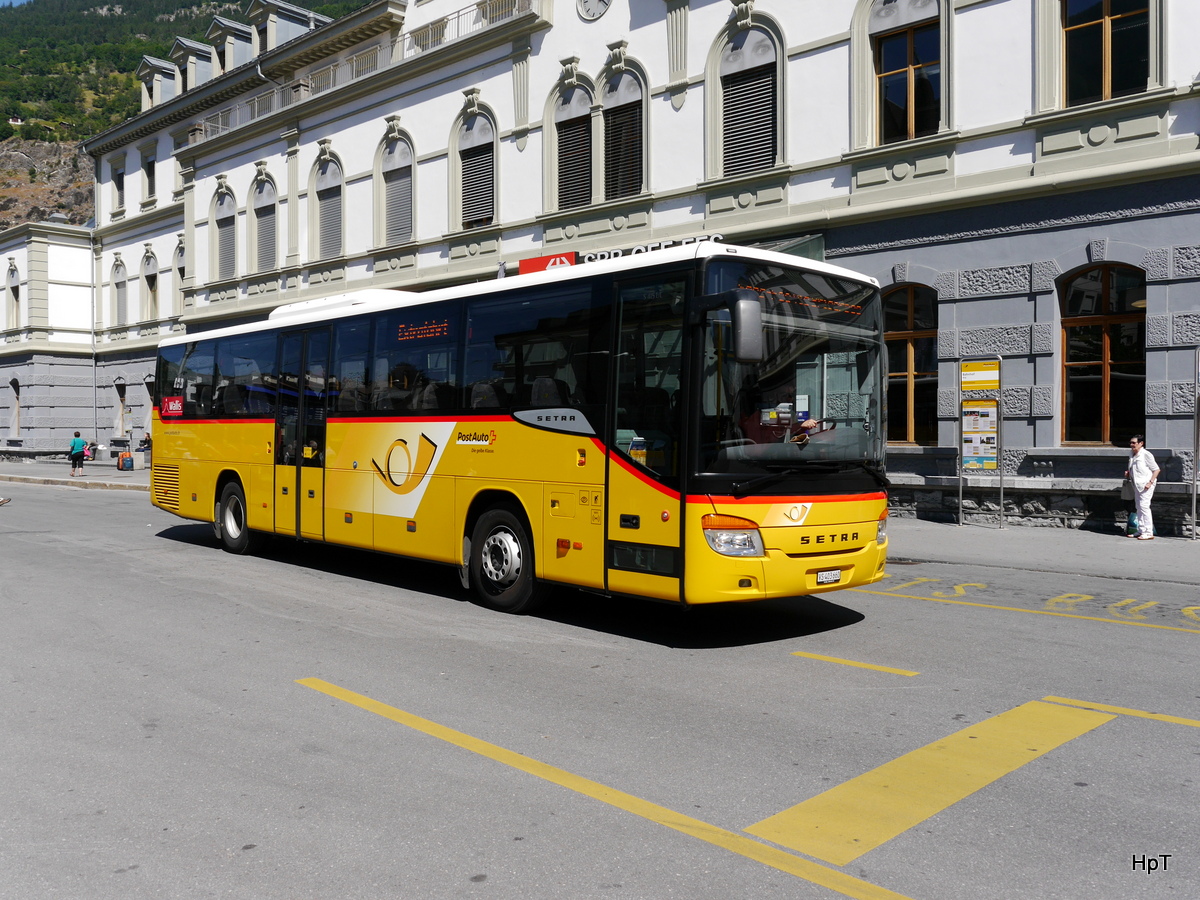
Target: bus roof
[{"x": 348, "y": 303}]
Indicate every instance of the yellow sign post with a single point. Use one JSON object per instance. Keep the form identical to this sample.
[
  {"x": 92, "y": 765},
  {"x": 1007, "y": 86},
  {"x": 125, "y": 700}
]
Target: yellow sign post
[{"x": 979, "y": 445}]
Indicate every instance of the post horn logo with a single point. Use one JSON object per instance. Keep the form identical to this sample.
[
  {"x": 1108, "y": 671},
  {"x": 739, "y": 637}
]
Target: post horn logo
[
  {"x": 799, "y": 513},
  {"x": 413, "y": 472}
]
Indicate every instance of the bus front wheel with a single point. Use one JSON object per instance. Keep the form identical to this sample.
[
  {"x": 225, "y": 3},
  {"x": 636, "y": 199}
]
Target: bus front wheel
[
  {"x": 229, "y": 520},
  {"x": 501, "y": 567}
]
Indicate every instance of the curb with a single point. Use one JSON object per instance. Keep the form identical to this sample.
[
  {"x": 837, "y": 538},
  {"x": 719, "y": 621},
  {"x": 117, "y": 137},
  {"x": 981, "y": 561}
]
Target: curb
[{"x": 82, "y": 483}]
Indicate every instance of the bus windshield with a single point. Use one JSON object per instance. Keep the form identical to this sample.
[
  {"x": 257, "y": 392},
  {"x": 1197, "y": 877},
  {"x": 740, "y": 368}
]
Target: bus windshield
[{"x": 813, "y": 405}]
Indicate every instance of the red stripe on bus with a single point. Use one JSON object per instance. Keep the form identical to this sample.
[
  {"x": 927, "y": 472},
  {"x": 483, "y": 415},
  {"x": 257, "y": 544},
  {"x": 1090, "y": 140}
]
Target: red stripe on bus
[
  {"x": 786, "y": 498},
  {"x": 643, "y": 477}
]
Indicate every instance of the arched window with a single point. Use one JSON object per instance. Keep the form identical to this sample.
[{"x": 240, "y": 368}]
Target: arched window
[
  {"x": 573, "y": 132},
  {"x": 150, "y": 285},
  {"x": 624, "y": 147},
  {"x": 1104, "y": 355},
  {"x": 225, "y": 222},
  {"x": 477, "y": 170},
  {"x": 1106, "y": 47},
  {"x": 749, "y": 103},
  {"x": 120, "y": 294},
  {"x": 906, "y": 37},
  {"x": 266, "y": 234},
  {"x": 397, "y": 165},
  {"x": 910, "y": 326},
  {"x": 329, "y": 209}
]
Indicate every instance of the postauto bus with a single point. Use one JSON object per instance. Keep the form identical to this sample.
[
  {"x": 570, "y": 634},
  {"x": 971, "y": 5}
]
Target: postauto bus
[{"x": 700, "y": 424}]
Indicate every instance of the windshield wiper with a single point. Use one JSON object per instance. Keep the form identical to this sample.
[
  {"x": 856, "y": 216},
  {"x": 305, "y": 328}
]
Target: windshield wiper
[{"x": 741, "y": 488}]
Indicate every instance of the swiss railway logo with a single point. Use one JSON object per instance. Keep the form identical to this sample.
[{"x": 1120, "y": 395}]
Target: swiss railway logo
[{"x": 542, "y": 263}]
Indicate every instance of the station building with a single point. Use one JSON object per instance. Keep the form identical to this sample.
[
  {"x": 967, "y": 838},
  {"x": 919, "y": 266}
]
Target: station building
[{"x": 1019, "y": 175}]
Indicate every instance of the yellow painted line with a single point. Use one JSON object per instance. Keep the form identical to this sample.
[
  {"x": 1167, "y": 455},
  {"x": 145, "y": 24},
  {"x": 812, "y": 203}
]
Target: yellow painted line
[
  {"x": 850, "y": 662},
  {"x": 1123, "y": 711},
  {"x": 853, "y": 818},
  {"x": 728, "y": 840},
  {"x": 1036, "y": 612}
]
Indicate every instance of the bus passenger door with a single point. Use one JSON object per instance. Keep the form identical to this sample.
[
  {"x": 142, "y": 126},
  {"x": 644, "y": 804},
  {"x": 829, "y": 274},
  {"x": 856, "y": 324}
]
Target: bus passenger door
[
  {"x": 300, "y": 434},
  {"x": 644, "y": 553}
]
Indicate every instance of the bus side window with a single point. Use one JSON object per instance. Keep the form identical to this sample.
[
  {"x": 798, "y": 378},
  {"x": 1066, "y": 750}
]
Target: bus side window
[
  {"x": 542, "y": 348},
  {"x": 415, "y": 361},
  {"x": 648, "y": 364},
  {"x": 197, "y": 374},
  {"x": 351, "y": 348}
]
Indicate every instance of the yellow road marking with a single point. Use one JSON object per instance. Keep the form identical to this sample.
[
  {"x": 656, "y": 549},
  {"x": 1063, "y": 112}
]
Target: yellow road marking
[
  {"x": 1036, "y": 612},
  {"x": 728, "y": 840},
  {"x": 1123, "y": 711},
  {"x": 850, "y": 662},
  {"x": 853, "y": 818}
]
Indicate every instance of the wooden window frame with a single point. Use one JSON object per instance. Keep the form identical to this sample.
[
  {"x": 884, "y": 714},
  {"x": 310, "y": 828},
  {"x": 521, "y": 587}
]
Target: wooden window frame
[
  {"x": 909, "y": 336},
  {"x": 911, "y": 70},
  {"x": 1106, "y": 23},
  {"x": 1103, "y": 320}
]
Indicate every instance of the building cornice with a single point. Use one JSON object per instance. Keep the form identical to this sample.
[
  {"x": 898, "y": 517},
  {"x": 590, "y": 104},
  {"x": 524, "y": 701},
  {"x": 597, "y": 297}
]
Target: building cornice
[{"x": 376, "y": 18}]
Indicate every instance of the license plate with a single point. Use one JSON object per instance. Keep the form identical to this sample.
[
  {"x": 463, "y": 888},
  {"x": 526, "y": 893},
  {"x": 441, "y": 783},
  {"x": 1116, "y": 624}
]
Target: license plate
[{"x": 833, "y": 576}]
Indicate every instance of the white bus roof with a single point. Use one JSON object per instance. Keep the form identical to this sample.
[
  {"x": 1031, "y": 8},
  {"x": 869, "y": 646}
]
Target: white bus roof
[{"x": 336, "y": 306}]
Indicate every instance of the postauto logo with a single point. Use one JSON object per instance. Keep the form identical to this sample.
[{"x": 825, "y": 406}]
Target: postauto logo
[{"x": 476, "y": 438}]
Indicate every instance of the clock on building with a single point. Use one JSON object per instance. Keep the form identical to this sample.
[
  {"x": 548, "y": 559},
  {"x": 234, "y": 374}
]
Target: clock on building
[{"x": 593, "y": 9}]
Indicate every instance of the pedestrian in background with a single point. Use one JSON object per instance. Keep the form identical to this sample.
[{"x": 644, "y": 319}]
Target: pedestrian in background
[
  {"x": 1143, "y": 471},
  {"x": 78, "y": 445}
]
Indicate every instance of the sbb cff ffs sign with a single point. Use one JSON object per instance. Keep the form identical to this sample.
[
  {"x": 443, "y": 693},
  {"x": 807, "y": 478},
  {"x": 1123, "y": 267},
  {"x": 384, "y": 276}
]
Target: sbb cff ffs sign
[
  {"x": 542, "y": 263},
  {"x": 171, "y": 406}
]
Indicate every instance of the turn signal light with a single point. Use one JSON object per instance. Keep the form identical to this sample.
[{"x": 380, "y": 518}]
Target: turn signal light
[{"x": 726, "y": 523}]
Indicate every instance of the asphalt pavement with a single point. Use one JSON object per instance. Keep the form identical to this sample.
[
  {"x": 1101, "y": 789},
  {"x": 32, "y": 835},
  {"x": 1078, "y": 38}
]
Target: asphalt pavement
[{"x": 1108, "y": 554}]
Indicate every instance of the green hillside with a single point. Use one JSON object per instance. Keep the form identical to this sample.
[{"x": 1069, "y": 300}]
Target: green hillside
[{"x": 66, "y": 66}]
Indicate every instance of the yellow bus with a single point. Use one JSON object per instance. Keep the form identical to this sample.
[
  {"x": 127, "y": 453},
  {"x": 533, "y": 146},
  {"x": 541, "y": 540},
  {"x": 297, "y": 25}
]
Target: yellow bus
[{"x": 700, "y": 424}]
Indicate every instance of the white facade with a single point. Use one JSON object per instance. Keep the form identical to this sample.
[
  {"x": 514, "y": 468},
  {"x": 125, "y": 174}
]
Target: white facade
[{"x": 759, "y": 121}]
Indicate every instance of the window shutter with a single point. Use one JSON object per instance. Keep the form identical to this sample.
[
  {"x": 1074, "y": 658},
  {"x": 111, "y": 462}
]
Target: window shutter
[
  {"x": 574, "y": 162},
  {"x": 623, "y": 151},
  {"x": 329, "y": 211},
  {"x": 749, "y": 120},
  {"x": 477, "y": 186},
  {"x": 120, "y": 284},
  {"x": 397, "y": 199},
  {"x": 264, "y": 225},
  {"x": 226, "y": 255},
  {"x": 265, "y": 235}
]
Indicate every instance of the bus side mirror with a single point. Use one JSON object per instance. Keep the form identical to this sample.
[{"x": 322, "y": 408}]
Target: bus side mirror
[
  {"x": 747, "y": 328},
  {"x": 745, "y": 313}
]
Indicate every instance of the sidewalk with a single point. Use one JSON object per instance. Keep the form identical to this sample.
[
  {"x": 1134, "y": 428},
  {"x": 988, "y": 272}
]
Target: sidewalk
[
  {"x": 1059, "y": 550},
  {"x": 101, "y": 474}
]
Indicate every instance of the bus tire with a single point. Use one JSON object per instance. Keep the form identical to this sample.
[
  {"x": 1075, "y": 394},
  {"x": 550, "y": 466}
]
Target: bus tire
[
  {"x": 501, "y": 567},
  {"x": 230, "y": 520}
]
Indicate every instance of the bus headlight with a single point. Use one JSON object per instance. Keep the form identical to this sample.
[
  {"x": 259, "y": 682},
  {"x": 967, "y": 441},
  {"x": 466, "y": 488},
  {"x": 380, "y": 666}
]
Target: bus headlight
[
  {"x": 732, "y": 536},
  {"x": 881, "y": 530}
]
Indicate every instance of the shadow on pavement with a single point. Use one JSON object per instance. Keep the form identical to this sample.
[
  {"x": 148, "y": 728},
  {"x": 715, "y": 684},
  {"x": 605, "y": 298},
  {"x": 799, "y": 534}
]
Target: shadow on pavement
[{"x": 701, "y": 627}]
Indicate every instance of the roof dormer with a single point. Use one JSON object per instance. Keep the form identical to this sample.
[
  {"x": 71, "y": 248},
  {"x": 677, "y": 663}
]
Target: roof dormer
[
  {"x": 232, "y": 41},
  {"x": 158, "y": 78},
  {"x": 194, "y": 62},
  {"x": 275, "y": 22}
]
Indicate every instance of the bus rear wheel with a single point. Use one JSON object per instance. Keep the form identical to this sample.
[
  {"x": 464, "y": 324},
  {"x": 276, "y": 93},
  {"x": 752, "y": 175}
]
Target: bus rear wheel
[
  {"x": 501, "y": 566},
  {"x": 229, "y": 520}
]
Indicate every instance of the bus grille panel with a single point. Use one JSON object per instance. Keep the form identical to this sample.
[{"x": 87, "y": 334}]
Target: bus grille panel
[{"x": 165, "y": 484}]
